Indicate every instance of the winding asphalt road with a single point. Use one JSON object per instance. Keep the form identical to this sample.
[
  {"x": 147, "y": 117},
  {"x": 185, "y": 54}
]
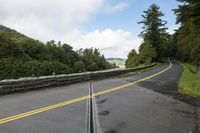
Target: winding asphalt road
[{"x": 121, "y": 105}]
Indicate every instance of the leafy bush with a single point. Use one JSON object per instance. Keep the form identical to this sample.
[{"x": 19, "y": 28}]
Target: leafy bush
[
  {"x": 27, "y": 57},
  {"x": 12, "y": 68},
  {"x": 133, "y": 59},
  {"x": 79, "y": 66}
]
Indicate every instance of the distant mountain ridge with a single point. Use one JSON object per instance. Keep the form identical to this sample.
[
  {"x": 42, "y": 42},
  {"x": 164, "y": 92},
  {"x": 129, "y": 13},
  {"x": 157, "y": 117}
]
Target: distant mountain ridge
[
  {"x": 15, "y": 35},
  {"x": 115, "y": 59},
  {"x": 118, "y": 61}
]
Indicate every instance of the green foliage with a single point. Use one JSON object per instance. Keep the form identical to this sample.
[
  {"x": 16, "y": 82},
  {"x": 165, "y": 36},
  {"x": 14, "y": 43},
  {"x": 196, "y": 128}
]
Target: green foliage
[
  {"x": 189, "y": 83},
  {"x": 133, "y": 59},
  {"x": 27, "y": 57},
  {"x": 188, "y": 35},
  {"x": 15, "y": 35},
  {"x": 8, "y": 48},
  {"x": 117, "y": 62},
  {"x": 147, "y": 54},
  {"x": 93, "y": 60},
  {"x": 156, "y": 40},
  {"x": 33, "y": 49},
  {"x": 187, "y": 41},
  {"x": 154, "y": 30},
  {"x": 92, "y": 67},
  {"x": 140, "y": 71},
  {"x": 79, "y": 66},
  {"x": 16, "y": 68},
  {"x": 195, "y": 54}
]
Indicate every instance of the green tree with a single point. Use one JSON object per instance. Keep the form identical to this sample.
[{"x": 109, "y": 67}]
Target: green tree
[
  {"x": 188, "y": 35},
  {"x": 147, "y": 54},
  {"x": 93, "y": 67},
  {"x": 33, "y": 49},
  {"x": 9, "y": 48},
  {"x": 79, "y": 66},
  {"x": 133, "y": 59},
  {"x": 154, "y": 29},
  {"x": 21, "y": 56},
  {"x": 70, "y": 56},
  {"x": 93, "y": 59}
]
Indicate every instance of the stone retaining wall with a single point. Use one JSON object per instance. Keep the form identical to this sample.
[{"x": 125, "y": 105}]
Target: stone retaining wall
[{"x": 31, "y": 83}]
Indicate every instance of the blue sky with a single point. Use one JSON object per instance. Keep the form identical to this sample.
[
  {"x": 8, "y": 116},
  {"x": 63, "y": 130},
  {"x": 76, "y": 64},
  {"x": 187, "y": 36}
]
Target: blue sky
[
  {"x": 127, "y": 19},
  {"x": 110, "y": 25}
]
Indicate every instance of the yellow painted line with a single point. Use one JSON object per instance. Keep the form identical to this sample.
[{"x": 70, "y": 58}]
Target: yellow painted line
[
  {"x": 18, "y": 116},
  {"x": 43, "y": 109}
]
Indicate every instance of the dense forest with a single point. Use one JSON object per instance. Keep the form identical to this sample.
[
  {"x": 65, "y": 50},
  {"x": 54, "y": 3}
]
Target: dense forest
[
  {"x": 21, "y": 56},
  {"x": 187, "y": 37},
  {"x": 157, "y": 44}
]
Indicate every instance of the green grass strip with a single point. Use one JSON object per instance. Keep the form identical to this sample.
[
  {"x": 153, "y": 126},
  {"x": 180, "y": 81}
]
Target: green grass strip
[
  {"x": 189, "y": 83},
  {"x": 139, "y": 72}
]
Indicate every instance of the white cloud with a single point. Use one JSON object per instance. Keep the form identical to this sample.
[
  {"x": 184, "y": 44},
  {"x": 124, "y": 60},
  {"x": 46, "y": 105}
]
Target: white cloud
[
  {"x": 108, "y": 8},
  {"x": 111, "y": 43},
  {"x": 172, "y": 30},
  {"x": 64, "y": 20},
  {"x": 44, "y": 19}
]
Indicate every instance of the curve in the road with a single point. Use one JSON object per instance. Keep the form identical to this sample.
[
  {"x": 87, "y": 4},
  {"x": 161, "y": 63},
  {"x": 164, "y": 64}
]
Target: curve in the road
[{"x": 40, "y": 110}]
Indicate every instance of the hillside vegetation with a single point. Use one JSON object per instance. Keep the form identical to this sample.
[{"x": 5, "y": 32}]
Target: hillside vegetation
[
  {"x": 183, "y": 45},
  {"x": 118, "y": 61},
  {"x": 187, "y": 43},
  {"x": 13, "y": 33},
  {"x": 156, "y": 40},
  {"x": 21, "y": 56},
  {"x": 190, "y": 80}
]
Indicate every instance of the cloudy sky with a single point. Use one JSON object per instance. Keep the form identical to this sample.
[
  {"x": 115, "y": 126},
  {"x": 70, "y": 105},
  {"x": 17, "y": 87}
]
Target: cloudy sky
[{"x": 110, "y": 25}]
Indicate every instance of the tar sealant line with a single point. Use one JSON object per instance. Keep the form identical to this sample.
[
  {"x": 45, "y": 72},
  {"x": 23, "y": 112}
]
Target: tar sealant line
[
  {"x": 88, "y": 112},
  {"x": 93, "y": 125},
  {"x": 95, "y": 114},
  {"x": 91, "y": 122},
  {"x": 93, "y": 110},
  {"x": 90, "y": 116}
]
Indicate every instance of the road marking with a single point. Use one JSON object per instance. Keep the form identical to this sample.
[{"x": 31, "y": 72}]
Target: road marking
[
  {"x": 43, "y": 109},
  {"x": 88, "y": 112}
]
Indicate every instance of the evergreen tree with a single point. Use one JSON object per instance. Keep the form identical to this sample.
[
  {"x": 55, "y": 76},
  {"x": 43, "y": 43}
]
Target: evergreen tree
[
  {"x": 154, "y": 29},
  {"x": 188, "y": 35}
]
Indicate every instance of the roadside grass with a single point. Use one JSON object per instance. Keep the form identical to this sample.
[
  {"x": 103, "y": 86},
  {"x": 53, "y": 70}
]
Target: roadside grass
[
  {"x": 189, "y": 83},
  {"x": 139, "y": 72}
]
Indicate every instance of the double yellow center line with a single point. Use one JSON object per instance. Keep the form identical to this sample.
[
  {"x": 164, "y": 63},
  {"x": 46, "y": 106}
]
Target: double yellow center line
[{"x": 43, "y": 109}]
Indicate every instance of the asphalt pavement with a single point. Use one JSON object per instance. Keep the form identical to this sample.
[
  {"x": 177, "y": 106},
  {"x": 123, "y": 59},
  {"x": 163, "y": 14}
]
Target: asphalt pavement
[{"x": 120, "y": 106}]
